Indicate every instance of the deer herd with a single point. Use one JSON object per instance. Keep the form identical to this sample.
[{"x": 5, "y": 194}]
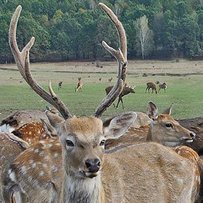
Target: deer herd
[{"x": 54, "y": 156}]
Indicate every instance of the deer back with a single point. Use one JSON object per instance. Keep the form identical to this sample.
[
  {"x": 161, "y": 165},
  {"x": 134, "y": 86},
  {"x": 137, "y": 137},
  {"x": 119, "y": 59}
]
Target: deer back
[{"x": 160, "y": 165}]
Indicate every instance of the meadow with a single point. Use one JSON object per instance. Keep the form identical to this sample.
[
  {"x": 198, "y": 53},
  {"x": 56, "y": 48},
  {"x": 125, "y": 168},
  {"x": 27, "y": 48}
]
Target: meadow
[{"x": 184, "y": 80}]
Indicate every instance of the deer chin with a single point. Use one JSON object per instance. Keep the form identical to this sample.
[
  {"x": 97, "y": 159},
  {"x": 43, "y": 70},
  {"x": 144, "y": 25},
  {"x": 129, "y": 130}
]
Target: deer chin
[
  {"x": 86, "y": 174},
  {"x": 172, "y": 143},
  {"x": 187, "y": 140}
]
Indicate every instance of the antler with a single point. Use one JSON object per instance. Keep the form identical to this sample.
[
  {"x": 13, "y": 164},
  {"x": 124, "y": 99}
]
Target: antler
[
  {"x": 121, "y": 56},
  {"x": 23, "y": 63}
]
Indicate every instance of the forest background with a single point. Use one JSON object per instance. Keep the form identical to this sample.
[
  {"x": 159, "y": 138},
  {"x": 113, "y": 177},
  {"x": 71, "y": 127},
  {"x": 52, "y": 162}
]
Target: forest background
[{"x": 73, "y": 29}]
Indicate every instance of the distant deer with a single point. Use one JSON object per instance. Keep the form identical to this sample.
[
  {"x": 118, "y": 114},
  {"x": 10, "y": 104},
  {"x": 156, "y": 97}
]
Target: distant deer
[
  {"x": 60, "y": 85},
  {"x": 74, "y": 168},
  {"x": 126, "y": 90},
  {"x": 79, "y": 85},
  {"x": 110, "y": 79},
  {"x": 162, "y": 86},
  {"x": 152, "y": 86}
]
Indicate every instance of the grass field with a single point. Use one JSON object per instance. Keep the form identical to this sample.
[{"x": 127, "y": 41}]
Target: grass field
[{"x": 184, "y": 80}]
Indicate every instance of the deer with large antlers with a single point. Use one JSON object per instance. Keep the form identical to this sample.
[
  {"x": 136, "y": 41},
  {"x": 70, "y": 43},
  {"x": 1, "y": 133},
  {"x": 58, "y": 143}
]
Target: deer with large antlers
[{"x": 76, "y": 169}]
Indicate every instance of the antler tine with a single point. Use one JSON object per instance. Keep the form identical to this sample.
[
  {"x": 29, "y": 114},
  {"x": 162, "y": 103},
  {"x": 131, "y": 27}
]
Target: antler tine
[
  {"x": 120, "y": 29},
  {"x": 23, "y": 64},
  {"x": 121, "y": 56}
]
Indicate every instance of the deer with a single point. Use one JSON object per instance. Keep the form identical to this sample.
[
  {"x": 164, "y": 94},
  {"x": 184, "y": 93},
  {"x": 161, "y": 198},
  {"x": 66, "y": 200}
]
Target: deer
[
  {"x": 79, "y": 85},
  {"x": 10, "y": 147},
  {"x": 152, "y": 86},
  {"x": 110, "y": 79},
  {"x": 126, "y": 90},
  {"x": 162, "y": 86},
  {"x": 150, "y": 126},
  {"x": 19, "y": 118},
  {"x": 60, "y": 85},
  {"x": 79, "y": 168},
  {"x": 29, "y": 125}
]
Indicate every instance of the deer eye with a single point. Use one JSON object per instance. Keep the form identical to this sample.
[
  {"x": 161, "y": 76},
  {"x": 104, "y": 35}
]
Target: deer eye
[
  {"x": 169, "y": 125},
  {"x": 102, "y": 143},
  {"x": 69, "y": 143}
]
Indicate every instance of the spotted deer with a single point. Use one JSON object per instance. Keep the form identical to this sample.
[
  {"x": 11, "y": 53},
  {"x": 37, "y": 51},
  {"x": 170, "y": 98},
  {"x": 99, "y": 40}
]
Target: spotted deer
[
  {"x": 29, "y": 125},
  {"x": 75, "y": 167},
  {"x": 162, "y": 128},
  {"x": 19, "y": 118},
  {"x": 10, "y": 147},
  {"x": 79, "y": 85},
  {"x": 126, "y": 90},
  {"x": 152, "y": 86}
]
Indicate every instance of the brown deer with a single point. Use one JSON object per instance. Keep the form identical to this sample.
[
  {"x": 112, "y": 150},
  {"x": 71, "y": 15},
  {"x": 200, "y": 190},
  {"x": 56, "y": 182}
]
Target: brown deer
[
  {"x": 79, "y": 85},
  {"x": 10, "y": 147},
  {"x": 76, "y": 169},
  {"x": 60, "y": 85},
  {"x": 19, "y": 118},
  {"x": 110, "y": 79},
  {"x": 152, "y": 86},
  {"x": 126, "y": 90},
  {"x": 29, "y": 125},
  {"x": 160, "y": 128},
  {"x": 162, "y": 86}
]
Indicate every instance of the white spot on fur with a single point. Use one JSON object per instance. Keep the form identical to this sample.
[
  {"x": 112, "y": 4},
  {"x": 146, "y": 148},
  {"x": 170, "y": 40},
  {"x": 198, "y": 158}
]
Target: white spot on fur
[
  {"x": 34, "y": 165},
  {"x": 36, "y": 151},
  {"x": 44, "y": 165},
  {"x": 12, "y": 175},
  {"x": 56, "y": 154},
  {"x": 54, "y": 168},
  {"x": 24, "y": 169},
  {"x": 41, "y": 173},
  {"x": 41, "y": 153},
  {"x": 31, "y": 161}
]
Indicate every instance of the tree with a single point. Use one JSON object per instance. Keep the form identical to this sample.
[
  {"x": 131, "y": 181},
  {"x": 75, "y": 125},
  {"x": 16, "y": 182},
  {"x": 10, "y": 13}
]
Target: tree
[{"x": 144, "y": 35}]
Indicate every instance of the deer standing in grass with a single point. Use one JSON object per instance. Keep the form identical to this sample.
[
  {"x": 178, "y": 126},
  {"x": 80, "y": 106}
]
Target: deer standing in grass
[
  {"x": 60, "y": 85},
  {"x": 79, "y": 85},
  {"x": 152, "y": 86},
  {"x": 162, "y": 86},
  {"x": 126, "y": 90},
  {"x": 75, "y": 169}
]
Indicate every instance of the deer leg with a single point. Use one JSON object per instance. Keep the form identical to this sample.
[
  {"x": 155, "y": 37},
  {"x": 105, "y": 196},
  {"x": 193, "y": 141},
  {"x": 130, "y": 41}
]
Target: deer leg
[
  {"x": 122, "y": 103},
  {"x": 119, "y": 99}
]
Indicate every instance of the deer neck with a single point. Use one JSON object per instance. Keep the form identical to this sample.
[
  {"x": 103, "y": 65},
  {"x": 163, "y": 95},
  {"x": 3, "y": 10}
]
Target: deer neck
[{"x": 82, "y": 190}]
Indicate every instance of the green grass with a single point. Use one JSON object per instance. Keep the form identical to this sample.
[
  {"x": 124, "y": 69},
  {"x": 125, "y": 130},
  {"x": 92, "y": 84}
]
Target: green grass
[{"x": 185, "y": 92}]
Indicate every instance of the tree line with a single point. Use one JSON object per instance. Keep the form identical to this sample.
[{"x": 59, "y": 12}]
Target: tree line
[{"x": 73, "y": 29}]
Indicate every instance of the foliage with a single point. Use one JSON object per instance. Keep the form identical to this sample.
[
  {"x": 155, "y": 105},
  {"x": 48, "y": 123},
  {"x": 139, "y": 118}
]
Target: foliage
[{"x": 70, "y": 29}]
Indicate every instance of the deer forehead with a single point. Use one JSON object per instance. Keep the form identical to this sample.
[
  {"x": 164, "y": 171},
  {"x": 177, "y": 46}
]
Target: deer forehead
[
  {"x": 83, "y": 128},
  {"x": 166, "y": 118}
]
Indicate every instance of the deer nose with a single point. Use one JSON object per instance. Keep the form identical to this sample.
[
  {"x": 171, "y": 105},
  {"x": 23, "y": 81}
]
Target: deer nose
[{"x": 92, "y": 165}]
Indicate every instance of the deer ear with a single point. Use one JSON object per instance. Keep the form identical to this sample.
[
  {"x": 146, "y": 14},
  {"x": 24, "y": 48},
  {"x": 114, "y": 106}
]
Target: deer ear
[
  {"x": 152, "y": 111},
  {"x": 117, "y": 126},
  {"x": 168, "y": 110},
  {"x": 54, "y": 119},
  {"x": 50, "y": 130}
]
